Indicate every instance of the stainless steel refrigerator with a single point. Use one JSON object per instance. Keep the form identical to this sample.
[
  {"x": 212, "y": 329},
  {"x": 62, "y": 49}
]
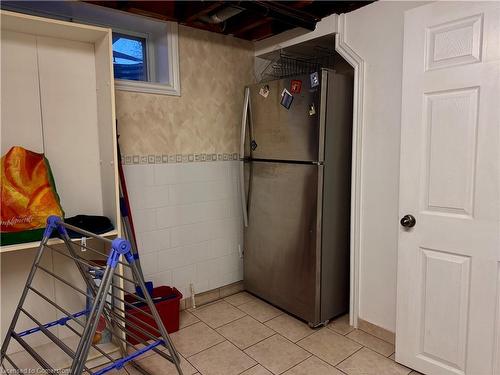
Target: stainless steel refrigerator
[{"x": 295, "y": 173}]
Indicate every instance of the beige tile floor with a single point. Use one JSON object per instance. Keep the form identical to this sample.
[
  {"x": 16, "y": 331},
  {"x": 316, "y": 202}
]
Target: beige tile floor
[{"x": 244, "y": 335}]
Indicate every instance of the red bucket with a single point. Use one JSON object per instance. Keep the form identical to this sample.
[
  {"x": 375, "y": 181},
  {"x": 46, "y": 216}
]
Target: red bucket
[{"x": 166, "y": 301}]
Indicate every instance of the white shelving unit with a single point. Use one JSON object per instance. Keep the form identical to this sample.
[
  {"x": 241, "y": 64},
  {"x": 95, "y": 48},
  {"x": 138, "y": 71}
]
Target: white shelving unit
[
  {"x": 57, "y": 92},
  {"x": 58, "y": 98}
]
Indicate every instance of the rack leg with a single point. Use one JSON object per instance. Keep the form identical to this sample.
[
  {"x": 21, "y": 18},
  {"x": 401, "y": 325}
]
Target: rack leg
[
  {"x": 91, "y": 326},
  {"x": 31, "y": 275},
  {"x": 158, "y": 320}
]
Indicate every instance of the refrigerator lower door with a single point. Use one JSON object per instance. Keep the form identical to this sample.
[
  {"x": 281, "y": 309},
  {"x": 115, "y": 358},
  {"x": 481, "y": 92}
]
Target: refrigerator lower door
[{"x": 283, "y": 238}]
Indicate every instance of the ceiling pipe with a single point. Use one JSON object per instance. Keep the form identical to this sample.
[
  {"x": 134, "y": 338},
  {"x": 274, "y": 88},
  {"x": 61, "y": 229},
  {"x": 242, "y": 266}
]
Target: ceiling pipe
[{"x": 221, "y": 15}]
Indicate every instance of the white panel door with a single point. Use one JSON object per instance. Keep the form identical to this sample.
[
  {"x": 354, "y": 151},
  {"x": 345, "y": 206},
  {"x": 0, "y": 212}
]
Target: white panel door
[
  {"x": 21, "y": 115},
  {"x": 448, "y": 263}
]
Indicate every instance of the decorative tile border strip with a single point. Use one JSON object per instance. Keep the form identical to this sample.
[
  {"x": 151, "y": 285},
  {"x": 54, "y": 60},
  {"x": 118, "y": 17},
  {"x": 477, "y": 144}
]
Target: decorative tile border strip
[{"x": 176, "y": 158}]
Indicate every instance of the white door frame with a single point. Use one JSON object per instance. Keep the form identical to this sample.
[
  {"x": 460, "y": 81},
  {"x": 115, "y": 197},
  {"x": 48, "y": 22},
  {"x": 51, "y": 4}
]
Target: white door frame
[{"x": 357, "y": 146}]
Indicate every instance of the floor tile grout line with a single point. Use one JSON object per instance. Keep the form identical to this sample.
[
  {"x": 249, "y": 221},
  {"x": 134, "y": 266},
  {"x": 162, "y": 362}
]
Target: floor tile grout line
[
  {"x": 213, "y": 346},
  {"x": 237, "y": 306},
  {"x": 310, "y": 352},
  {"x": 305, "y": 359},
  {"x": 258, "y": 342},
  {"x": 201, "y": 307},
  {"x": 312, "y": 355},
  {"x": 257, "y": 299},
  {"x": 368, "y": 333},
  {"x": 313, "y": 330},
  {"x": 360, "y": 343},
  {"x": 215, "y": 328},
  {"x": 232, "y": 321},
  {"x": 257, "y": 364},
  {"x": 265, "y": 321},
  {"x": 309, "y": 334},
  {"x": 250, "y": 316},
  {"x": 362, "y": 346},
  {"x": 252, "y": 298},
  {"x": 264, "y": 302},
  {"x": 293, "y": 343},
  {"x": 201, "y": 351},
  {"x": 225, "y": 324},
  {"x": 268, "y": 369},
  {"x": 190, "y": 324},
  {"x": 349, "y": 356},
  {"x": 365, "y": 347},
  {"x": 277, "y": 334},
  {"x": 194, "y": 366},
  {"x": 371, "y": 334},
  {"x": 249, "y": 346},
  {"x": 340, "y": 333}
]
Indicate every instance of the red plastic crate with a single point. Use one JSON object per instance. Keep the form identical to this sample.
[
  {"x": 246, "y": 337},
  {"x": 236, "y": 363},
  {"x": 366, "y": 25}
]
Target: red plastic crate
[{"x": 168, "y": 310}]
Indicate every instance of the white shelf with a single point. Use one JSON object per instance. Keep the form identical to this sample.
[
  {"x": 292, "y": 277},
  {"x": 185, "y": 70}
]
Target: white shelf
[{"x": 52, "y": 241}]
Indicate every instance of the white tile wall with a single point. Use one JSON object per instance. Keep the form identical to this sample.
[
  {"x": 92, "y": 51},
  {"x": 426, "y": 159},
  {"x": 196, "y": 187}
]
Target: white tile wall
[{"x": 188, "y": 222}]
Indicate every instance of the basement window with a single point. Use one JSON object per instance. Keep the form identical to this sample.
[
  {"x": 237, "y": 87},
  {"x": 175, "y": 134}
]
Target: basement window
[
  {"x": 129, "y": 57},
  {"x": 145, "y": 51}
]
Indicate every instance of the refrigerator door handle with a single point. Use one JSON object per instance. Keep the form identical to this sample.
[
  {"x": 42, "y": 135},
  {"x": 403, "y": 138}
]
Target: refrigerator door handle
[
  {"x": 244, "y": 118},
  {"x": 242, "y": 155},
  {"x": 243, "y": 197}
]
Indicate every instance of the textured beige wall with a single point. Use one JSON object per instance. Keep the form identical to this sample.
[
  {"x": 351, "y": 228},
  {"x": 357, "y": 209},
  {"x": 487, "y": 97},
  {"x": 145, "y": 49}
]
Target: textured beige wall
[{"x": 206, "y": 117}]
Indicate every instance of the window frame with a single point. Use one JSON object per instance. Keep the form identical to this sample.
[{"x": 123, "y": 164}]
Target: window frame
[
  {"x": 149, "y": 54},
  {"x": 171, "y": 88}
]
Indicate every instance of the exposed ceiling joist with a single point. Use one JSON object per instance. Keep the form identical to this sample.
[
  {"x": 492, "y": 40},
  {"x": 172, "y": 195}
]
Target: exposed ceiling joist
[
  {"x": 192, "y": 10},
  {"x": 242, "y": 24},
  {"x": 155, "y": 9},
  {"x": 262, "y": 32},
  {"x": 281, "y": 13},
  {"x": 250, "y": 20}
]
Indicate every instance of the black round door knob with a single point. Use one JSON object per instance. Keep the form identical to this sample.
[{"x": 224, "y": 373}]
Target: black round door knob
[{"x": 408, "y": 221}]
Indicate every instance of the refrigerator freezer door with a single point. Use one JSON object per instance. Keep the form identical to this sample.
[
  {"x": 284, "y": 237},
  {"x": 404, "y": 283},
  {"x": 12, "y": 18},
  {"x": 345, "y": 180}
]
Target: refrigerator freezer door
[
  {"x": 285, "y": 134},
  {"x": 282, "y": 241}
]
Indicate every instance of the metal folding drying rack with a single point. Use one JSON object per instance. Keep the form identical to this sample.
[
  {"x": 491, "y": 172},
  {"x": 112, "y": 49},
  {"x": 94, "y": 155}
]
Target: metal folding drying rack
[{"x": 116, "y": 319}]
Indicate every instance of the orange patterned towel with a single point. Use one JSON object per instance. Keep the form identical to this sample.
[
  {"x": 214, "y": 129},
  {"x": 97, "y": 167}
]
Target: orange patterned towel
[{"x": 29, "y": 196}]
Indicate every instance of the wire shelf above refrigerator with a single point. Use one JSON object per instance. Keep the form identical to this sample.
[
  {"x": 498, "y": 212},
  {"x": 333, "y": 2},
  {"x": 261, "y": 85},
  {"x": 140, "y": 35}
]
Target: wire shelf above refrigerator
[{"x": 287, "y": 65}]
